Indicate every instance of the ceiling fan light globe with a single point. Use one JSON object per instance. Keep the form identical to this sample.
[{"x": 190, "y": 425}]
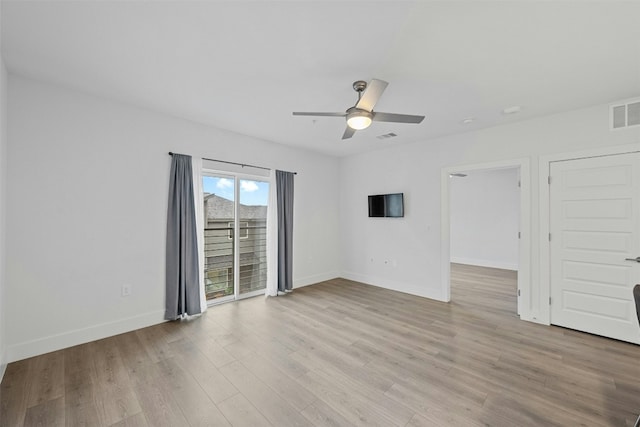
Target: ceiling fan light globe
[
  {"x": 359, "y": 120},
  {"x": 359, "y": 123}
]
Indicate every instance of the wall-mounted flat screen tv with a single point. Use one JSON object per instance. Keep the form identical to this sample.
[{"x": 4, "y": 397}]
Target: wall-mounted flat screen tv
[{"x": 386, "y": 205}]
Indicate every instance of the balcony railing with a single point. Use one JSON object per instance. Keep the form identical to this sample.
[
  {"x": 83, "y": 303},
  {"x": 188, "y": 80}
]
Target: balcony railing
[{"x": 219, "y": 258}]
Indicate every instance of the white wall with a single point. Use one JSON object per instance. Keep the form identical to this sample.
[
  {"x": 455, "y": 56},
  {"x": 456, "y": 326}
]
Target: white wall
[
  {"x": 484, "y": 218},
  {"x": 87, "y": 202},
  {"x": 415, "y": 169},
  {"x": 3, "y": 181}
]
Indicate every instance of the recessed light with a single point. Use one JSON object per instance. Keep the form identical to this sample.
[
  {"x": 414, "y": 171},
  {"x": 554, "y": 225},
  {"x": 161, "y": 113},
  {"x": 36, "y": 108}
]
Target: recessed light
[
  {"x": 468, "y": 120},
  {"x": 511, "y": 110}
]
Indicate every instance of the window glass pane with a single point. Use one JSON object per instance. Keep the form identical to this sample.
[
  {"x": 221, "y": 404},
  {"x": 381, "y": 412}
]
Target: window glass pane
[
  {"x": 219, "y": 213},
  {"x": 254, "y": 199}
]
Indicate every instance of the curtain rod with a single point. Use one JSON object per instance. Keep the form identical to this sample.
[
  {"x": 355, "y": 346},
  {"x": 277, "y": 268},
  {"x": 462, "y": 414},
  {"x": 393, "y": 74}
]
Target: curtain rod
[{"x": 234, "y": 163}]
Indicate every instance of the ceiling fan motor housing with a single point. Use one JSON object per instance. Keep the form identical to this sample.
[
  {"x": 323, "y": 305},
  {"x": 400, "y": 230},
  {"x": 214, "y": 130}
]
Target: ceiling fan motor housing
[
  {"x": 359, "y": 119},
  {"x": 359, "y": 86}
]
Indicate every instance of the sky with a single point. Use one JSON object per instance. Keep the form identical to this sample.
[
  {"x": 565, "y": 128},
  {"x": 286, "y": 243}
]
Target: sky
[{"x": 252, "y": 193}]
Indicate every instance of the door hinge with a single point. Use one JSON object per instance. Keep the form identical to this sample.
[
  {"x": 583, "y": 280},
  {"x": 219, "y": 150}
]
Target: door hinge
[
  {"x": 549, "y": 300},
  {"x": 518, "y": 292},
  {"x": 549, "y": 236},
  {"x": 518, "y": 234},
  {"x": 549, "y": 180},
  {"x": 519, "y": 184}
]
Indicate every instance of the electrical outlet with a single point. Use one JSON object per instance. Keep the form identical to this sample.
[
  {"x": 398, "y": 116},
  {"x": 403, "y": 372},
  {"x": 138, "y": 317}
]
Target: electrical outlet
[{"x": 126, "y": 290}]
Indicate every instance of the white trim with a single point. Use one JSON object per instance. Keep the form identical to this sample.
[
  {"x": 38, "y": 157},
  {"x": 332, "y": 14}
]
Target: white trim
[
  {"x": 221, "y": 300},
  {"x": 232, "y": 298},
  {"x": 406, "y": 288},
  {"x": 252, "y": 294},
  {"x": 591, "y": 152},
  {"x": 525, "y": 251},
  {"x": 315, "y": 279},
  {"x": 484, "y": 263},
  {"x": 543, "y": 314},
  {"x": 84, "y": 335},
  {"x": 216, "y": 173},
  {"x": 445, "y": 235},
  {"x": 3, "y": 369}
]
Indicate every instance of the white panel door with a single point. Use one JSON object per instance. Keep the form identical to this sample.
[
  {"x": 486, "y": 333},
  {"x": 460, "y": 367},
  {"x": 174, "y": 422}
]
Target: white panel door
[{"x": 595, "y": 226}]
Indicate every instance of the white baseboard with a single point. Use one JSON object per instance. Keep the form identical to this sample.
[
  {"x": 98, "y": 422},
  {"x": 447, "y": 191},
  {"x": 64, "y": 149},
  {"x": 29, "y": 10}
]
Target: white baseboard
[
  {"x": 312, "y": 280},
  {"x": 80, "y": 336},
  {"x": 485, "y": 263},
  {"x": 407, "y": 288}
]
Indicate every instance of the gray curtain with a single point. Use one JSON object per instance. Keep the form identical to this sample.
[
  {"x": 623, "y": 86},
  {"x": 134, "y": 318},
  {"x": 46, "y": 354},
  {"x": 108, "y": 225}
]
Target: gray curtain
[
  {"x": 183, "y": 284},
  {"x": 284, "y": 192},
  {"x": 636, "y": 297}
]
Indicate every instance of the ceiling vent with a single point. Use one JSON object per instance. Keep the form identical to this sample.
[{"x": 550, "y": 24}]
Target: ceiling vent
[
  {"x": 387, "y": 135},
  {"x": 624, "y": 115}
]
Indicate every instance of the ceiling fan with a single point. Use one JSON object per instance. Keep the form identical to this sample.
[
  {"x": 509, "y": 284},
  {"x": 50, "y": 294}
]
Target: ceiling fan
[{"x": 361, "y": 115}]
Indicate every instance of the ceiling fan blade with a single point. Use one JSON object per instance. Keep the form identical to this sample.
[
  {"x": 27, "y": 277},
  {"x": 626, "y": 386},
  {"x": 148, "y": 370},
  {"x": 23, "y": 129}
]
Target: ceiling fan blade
[
  {"x": 396, "y": 118},
  {"x": 371, "y": 94},
  {"x": 348, "y": 133},
  {"x": 299, "y": 113}
]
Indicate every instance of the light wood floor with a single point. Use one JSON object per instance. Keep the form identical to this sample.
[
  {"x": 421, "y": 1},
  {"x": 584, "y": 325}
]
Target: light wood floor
[{"x": 338, "y": 354}]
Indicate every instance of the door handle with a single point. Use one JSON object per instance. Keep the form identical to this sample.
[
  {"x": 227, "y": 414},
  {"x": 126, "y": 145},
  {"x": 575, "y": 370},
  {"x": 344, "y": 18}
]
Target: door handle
[{"x": 636, "y": 259}]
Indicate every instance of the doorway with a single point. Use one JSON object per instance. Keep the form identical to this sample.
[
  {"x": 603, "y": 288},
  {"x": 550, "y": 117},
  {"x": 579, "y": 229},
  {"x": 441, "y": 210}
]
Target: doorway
[
  {"x": 524, "y": 242},
  {"x": 235, "y": 236},
  {"x": 484, "y": 228}
]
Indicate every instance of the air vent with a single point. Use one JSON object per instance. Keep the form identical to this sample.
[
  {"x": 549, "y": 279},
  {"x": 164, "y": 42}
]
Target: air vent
[
  {"x": 625, "y": 114},
  {"x": 387, "y": 135}
]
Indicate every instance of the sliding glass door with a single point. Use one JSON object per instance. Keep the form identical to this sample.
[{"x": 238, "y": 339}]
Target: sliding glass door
[
  {"x": 252, "y": 213},
  {"x": 235, "y": 230}
]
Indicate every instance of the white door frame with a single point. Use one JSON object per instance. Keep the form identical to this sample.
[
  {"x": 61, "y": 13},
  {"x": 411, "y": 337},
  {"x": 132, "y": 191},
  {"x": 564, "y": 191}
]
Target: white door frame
[
  {"x": 524, "y": 257},
  {"x": 544, "y": 313}
]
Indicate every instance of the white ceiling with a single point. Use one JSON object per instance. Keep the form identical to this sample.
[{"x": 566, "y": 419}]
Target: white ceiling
[{"x": 245, "y": 66}]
